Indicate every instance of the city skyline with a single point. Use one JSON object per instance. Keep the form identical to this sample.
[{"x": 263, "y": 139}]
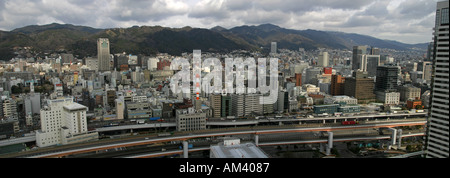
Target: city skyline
[
  {"x": 405, "y": 21},
  {"x": 327, "y": 96}
]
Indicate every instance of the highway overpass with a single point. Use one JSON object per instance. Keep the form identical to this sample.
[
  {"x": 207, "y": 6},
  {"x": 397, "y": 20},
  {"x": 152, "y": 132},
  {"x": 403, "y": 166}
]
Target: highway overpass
[
  {"x": 134, "y": 141},
  {"x": 216, "y": 122}
]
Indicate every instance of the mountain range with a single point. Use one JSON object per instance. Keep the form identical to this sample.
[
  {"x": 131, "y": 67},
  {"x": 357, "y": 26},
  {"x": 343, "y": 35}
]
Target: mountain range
[{"x": 149, "y": 40}]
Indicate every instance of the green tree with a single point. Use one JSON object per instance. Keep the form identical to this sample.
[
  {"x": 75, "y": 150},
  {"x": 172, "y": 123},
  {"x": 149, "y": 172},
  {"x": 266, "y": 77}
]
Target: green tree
[{"x": 16, "y": 89}]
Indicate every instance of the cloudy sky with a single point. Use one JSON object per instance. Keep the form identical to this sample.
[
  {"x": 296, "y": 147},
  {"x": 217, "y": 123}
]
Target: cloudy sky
[{"x": 408, "y": 21}]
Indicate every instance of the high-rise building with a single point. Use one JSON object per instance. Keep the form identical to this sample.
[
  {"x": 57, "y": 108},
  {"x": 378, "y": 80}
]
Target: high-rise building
[
  {"x": 323, "y": 59},
  {"x": 373, "y": 61},
  {"x": 359, "y": 86},
  {"x": 226, "y": 106},
  {"x": 311, "y": 75},
  {"x": 437, "y": 140},
  {"x": 252, "y": 105},
  {"x": 103, "y": 54},
  {"x": 120, "y": 108},
  {"x": 215, "y": 100},
  {"x": 298, "y": 79},
  {"x": 237, "y": 104},
  {"x": 387, "y": 77},
  {"x": 337, "y": 85},
  {"x": 357, "y": 50},
  {"x": 273, "y": 47}
]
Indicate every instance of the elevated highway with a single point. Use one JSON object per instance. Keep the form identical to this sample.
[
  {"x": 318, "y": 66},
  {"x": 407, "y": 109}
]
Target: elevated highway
[
  {"x": 172, "y": 152},
  {"x": 217, "y": 122},
  {"x": 135, "y": 141}
]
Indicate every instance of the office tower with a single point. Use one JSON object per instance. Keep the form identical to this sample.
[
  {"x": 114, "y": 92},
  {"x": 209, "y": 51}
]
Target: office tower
[
  {"x": 427, "y": 71},
  {"x": 375, "y": 51},
  {"x": 337, "y": 85},
  {"x": 359, "y": 86},
  {"x": 372, "y": 62},
  {"x": 273, "y": 47},
  {"x": 387, "y": 77},
  {"x": 386, "y": 84},
  {"x": 237, "y": 104},
  {"x": 103, "y": 54},
  {"x": 120, "y": 108},
  {"x": 215, "y": 100},
  {"x": 252, "y": 105},
  {"x": 323, "y": 59},
  {"x": 226, "y": 106},
  {"x": 437, "y": 140},
  {"x": 357, "y": 50}
]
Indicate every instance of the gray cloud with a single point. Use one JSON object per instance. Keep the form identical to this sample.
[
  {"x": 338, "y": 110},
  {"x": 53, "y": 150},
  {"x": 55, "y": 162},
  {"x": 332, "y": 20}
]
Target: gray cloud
[{"x": 379, "y": 18}]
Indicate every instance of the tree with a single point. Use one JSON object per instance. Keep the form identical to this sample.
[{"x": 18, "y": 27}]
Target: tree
[
  {"x": 419, "y": 107},
  {"x": 16, "y": 89}
]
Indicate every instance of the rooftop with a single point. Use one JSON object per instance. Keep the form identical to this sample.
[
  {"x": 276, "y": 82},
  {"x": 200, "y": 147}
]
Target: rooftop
[
  {"x": 74, "y": 106},
  {"x": 245, "y": 150}
]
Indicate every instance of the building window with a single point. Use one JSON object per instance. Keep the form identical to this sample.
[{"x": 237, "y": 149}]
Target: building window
[{"x": 444, "y": 16}]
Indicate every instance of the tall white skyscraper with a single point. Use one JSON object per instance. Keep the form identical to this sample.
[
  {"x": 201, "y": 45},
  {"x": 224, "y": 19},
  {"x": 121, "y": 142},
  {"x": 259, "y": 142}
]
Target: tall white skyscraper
[
  {"x": 323, "y": 59},
  {"x": 437, "y": 142},
  {"x": 103, "y": 54}
]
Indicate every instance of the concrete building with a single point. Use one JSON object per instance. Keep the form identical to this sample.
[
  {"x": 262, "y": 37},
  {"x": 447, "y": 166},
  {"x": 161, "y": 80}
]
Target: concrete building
[
  {"x": 340, "y": 100},
  {"x": 252, "y": 105},
  {"x": 226, "y": 106},
  {"x": 389, "y": 98},
  {"x": 103, "y": 55},
  {"x": 408, "y": 92},
  {"x": 298, "y": 79},
  {"x": 323, "y": 59},
  {"x": 359, "y": 86},
  {"x": 152, "y": 64},
  {"x": 311, "y": 88},
  {"x": 63, "y": 122},
  {"x": 216, "y": 103},
  {"x": 92, "y": 63},
  {"x": 372, "y": 62},
  {"x": 311, "y": 75},
  {"x": 120, "y": 108},
  {"x": 237, "y": 104},
  {"x": 437, "y": 139},
  {"x": 387, "y": 77},
  {"x": 356, "y": 59},
  {"x": 337, "y": 85},
  {"x": 137, "y": 110},
  {"x": 33, "y": 103},
  {"x": 273, "y": 47},
  {"x": 188, "y": 119},
  {"x": 10, "y": 108}
]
